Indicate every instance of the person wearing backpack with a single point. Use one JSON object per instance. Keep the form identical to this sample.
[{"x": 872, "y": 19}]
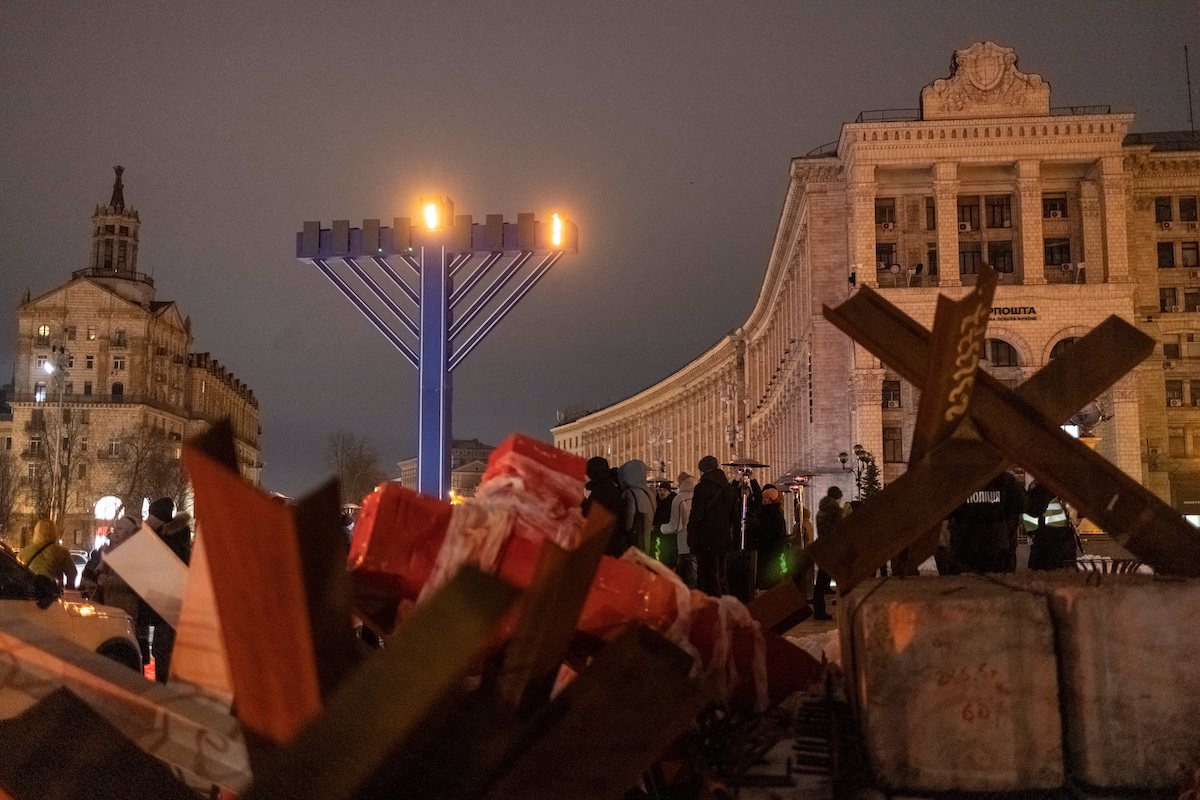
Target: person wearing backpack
[
  {"x": 715, "y": 511},
  {"x": 639, "y": 504}
]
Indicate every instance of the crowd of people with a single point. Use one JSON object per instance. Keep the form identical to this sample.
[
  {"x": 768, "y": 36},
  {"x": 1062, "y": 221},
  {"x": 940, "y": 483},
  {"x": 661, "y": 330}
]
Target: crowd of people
[
  {"x": 696, "y": 527},
  {"x": 100, "y": 583}
]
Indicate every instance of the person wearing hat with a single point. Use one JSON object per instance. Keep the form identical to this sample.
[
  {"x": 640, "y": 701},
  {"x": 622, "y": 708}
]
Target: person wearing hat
[
  {"x": 173, "y": 530},
  {"x": 715, "y": 512},
  {"x": 602, "y": 490},
  {"x": 46, "y": 556}
]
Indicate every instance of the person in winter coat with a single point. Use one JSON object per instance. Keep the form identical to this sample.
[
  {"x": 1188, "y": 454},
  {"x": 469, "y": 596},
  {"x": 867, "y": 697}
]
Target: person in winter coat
[
  {"x": 603, "y": 491},
  {"x": 638, "y": 504},
  {"x": 983, "y": 530},
  {"x": 112, "y": 590},
  {"x": 45, "y": 556},
  {"x": 772, "y": 539},
  {"x": 1047, "y": 523},
  {"x": 173, "y": 530},
  {"x": 664, "y": 547},
  {"x": 681, "y": 508},
  {"x": 829, "y": 516},
  {"x": 716, "y": 509}
]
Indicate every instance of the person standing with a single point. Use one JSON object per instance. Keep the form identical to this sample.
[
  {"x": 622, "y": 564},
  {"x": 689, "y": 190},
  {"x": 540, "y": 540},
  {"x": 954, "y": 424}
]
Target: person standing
[
  {"x": 173, "y": 530},
  {"x": 638, "y": 504},
  {"x": 715, "y": 512},
  {"x": 1046, "y": 521},
  {"x": 111, "y": 588},
  {"x": 45, "y": 556},
  {"x": 829, "y": 515},
  {"x": 681, "y": 509},
  {"x": 772, "y": 539},
  {"x": 602, "y": 490},
  {"x": 665, "y": 547},
  {"x": 983, "y": 530}
]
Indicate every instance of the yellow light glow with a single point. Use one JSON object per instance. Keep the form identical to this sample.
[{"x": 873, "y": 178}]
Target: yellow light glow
[
  {"x": 556, "y": 230},
  {"x": 431, "y": 216}
]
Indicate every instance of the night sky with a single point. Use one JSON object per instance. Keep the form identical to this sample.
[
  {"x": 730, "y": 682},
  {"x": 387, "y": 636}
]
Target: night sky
[{"x": 663, "y": 129}]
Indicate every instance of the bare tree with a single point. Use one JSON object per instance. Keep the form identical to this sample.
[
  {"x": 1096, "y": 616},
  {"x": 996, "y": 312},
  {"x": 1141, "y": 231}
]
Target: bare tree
[
  {"x": 355, "y": 463},
  {"x": 59, "y": 462},
  {"x": 146, "y": 465},
  {"x": 10, "y": 482}
]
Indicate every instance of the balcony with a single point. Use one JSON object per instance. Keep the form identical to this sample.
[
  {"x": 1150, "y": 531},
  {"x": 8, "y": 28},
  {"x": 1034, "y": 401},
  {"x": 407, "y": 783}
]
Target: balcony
[
  {"x": 900, "y": 280},
  {"x": 1065, "y": 273},
  {"x": 140, "y": 277}
]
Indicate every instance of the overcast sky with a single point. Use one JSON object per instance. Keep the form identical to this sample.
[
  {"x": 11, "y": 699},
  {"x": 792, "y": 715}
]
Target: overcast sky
[{"x": 663, "y": 129}]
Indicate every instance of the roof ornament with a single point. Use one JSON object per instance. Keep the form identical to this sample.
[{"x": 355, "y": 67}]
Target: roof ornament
[
  {"x": 118, "y": 195},
  {"x": 985, "y": 82}
]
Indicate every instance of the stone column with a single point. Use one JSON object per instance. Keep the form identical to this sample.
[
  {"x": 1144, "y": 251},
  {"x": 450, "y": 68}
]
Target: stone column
[
  {"x": 1093, "y": 232},
  {"x": 1029, "y": 205},
  {"x": 860, "y": 195},
  {"x": 1122, "y": 437},
  {"x": 867, "y": 394},
  {"x": 945, "y": 203},
  {"x": 1112, "y": 207}
]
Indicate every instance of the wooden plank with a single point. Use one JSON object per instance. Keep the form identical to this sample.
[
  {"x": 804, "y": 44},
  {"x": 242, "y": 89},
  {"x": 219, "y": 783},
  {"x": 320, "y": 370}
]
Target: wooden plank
[
  {"x": 59, "y": 749},
  {"x": 549, "y": 612},
  {"x": 956, "y": 345},
  {"x": 250, "y": 540},
  {"x": 1058, "y": 390},
  {"x": 609, "y": 725},
  {"x": 382, "y": 704},
  {"x": 323, "y": 551},
  {"x": 784, "y": 605}
]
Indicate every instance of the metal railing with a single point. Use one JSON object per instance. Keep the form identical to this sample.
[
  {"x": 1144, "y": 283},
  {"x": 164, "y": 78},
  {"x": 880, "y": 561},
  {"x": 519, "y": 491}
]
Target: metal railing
[
  {"x": 889, "y": 115},
  {"x": 140, "y": 277},
  {"x": 827, "y": 149},
  {"x": 1072, "y": 111}
]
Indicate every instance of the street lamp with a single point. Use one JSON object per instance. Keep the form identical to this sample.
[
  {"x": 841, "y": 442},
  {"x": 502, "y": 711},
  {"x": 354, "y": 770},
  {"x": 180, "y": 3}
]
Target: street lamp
[
  {"x": 843, "y": 457},
  {"x": 418, "y": 278}
]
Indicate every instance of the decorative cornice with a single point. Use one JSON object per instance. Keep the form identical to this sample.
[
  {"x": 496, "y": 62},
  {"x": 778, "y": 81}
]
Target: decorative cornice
[{"x": 985, "y": 82}]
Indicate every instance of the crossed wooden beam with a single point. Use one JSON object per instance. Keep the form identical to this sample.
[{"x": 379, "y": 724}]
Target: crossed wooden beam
[{"x": 970, "y": 427}]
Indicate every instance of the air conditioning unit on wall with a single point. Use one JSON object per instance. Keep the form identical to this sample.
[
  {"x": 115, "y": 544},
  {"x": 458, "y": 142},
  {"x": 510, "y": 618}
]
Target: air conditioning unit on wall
[
  {"x": 1176, "y": 309},
  {"x": 889, "y": 226},
  {"x": 964, "y": 227},
  {"x": 1166, "y": 226},
  {"x": 893, "y": 403},
  {"x": 1176, "y": 403},
  {"x": 1055, "y": 214}
]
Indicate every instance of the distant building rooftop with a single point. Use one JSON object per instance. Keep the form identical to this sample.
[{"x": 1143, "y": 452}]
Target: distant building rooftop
[{"x": 1166, "y": 140}]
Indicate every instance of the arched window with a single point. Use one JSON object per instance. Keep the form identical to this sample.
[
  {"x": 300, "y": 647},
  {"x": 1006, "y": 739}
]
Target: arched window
[
  {"x": 1001, "y": 354},
  {"x": 118, "y": 390},
  {"x": 1061, "y": 346},
  {"x": 39, "y": 392}
]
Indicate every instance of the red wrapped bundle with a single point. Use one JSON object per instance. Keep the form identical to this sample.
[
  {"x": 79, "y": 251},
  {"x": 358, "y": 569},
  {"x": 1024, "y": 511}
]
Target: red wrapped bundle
[{"x": 531, "y": 492}]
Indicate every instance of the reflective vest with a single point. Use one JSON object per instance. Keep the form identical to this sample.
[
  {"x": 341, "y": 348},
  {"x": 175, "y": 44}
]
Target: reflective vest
[{"x": 1055, "y": 516}]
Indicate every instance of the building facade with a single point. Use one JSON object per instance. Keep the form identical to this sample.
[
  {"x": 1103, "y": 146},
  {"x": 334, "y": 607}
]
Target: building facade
[
  {"x": 1081, "y": 219},
  {"x": 106, "y": 389},
  {"x": 468, "y": 461}
]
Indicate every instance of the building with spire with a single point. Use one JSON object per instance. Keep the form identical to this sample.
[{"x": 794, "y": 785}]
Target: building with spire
[{"x": 106, "y": 388}]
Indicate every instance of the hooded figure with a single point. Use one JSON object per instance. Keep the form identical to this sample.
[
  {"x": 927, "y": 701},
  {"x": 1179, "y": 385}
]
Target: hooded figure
[
  {"x": 715, "y": 511},
  {"x": 601, "y": 488},
  {"x": 638, "y": 503},
  {"x": 45, "y": 556},
  {"x": 681, "y": 509}
]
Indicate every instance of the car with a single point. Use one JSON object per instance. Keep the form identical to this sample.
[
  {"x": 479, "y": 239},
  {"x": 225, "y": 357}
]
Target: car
[
  {"x": 103, "y": 629},
  {"x": 80, "y": 558}
]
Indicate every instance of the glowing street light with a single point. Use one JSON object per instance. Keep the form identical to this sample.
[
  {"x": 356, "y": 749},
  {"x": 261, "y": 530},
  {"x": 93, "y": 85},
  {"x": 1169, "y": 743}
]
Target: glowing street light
[{"x": 419, "y": 277}]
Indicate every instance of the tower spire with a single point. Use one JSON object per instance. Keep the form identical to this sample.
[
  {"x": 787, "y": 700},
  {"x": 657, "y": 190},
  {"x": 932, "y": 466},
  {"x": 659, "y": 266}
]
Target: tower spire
[{"x": 118, "y": 195}]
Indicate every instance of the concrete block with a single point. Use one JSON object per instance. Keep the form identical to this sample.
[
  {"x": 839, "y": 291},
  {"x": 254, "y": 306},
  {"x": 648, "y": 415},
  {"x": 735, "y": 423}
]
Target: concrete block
[
  {"x": 1130, "y": 669},
  {"x": 955, "y": 684}
]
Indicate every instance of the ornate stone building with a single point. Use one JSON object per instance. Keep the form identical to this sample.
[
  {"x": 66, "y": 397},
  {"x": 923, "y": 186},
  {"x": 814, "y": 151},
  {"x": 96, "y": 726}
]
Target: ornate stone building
[
  {"x": 468, "y": 460},
  {"x": 1081, "y": 218},
  {"x": 103, "y": 369}
]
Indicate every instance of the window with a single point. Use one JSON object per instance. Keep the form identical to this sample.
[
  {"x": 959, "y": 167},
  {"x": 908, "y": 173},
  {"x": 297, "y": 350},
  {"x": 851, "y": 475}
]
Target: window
[
  {"x": 90, "y": 362},
  {"x": 83, "y": 444},
  {"x": 891, "y": 394},
  {"x": 1061, "y": 347},
  {"x": 83, "y": 470},
  {"x": 37, "y": 419},
  {"x": 1191, "y": 255},
  {"x": 121, "y": 256},
  {"x": 1058, "y": 252},
  {"x": 114, "y": 446},
  {"x": 39, "y": 392},
  {"x": 68, "y": 388},
  {"x": 35, "y": 445},
  {"x": 1176, "y": 447},
  {"x": 968, "y": 212},
  {"x": 1187, "y": 209},
  {"x": 1162, "y": 209},
  {"x": 885, "y": 255},
  {"x": 91, "y": 333},
  {"x": 1191, "y": 299},
  {"x": 71, "y": 333},
  {"x": 123, "y": 230},
  {"x": 8, "y": 443},
  {"x": 1000, "y": 256},
  {"x": 66, "y": 416},
  {"x": 1195, "y": 390},
  {"x": 1054, "y": 206},
  {"x": 885, "y": 210},
  {"x": 118, "y": 390},
  {"x": 931, "y": 260},
  {"x": 999, "y": 210},
  {"x": 1167, "y": 300},
  {"x": 118, "y": 339},
  {"x": 43, "y": 335},
  {"x": 969, "y": 258},
  {"x": 893, "y": 445},
  {"x": 1171, "y": 348},
  {"x": 1001, "y": 354},
  {"x": 118, "y": 363},
  {"x": 1166, "y": 255},
  {"x": 108, "y": 254},
  {"x": 109, "y": 229},
  {"x": 85, "y": 416},
  {"x": 1174, "y": 393},
  {"x": 70, "y": 361},
  {"x": 41, "y": 363},
  {"x": 87, "y": 387},
  {"x": 930, "y": 214}
]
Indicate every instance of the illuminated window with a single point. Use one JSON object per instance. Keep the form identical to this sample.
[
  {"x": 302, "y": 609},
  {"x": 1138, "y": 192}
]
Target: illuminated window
[
  {"x": 39, "y": 392},
  {"x": 43, "y": 335},
  {"x": 91, "y": 333}
]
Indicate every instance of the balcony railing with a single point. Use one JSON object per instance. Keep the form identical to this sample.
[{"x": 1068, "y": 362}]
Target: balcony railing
[
  {"x": 126, "y": 399},
  {"x": 889, "y": 115},
  {"x": 140, "y": 277}
]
